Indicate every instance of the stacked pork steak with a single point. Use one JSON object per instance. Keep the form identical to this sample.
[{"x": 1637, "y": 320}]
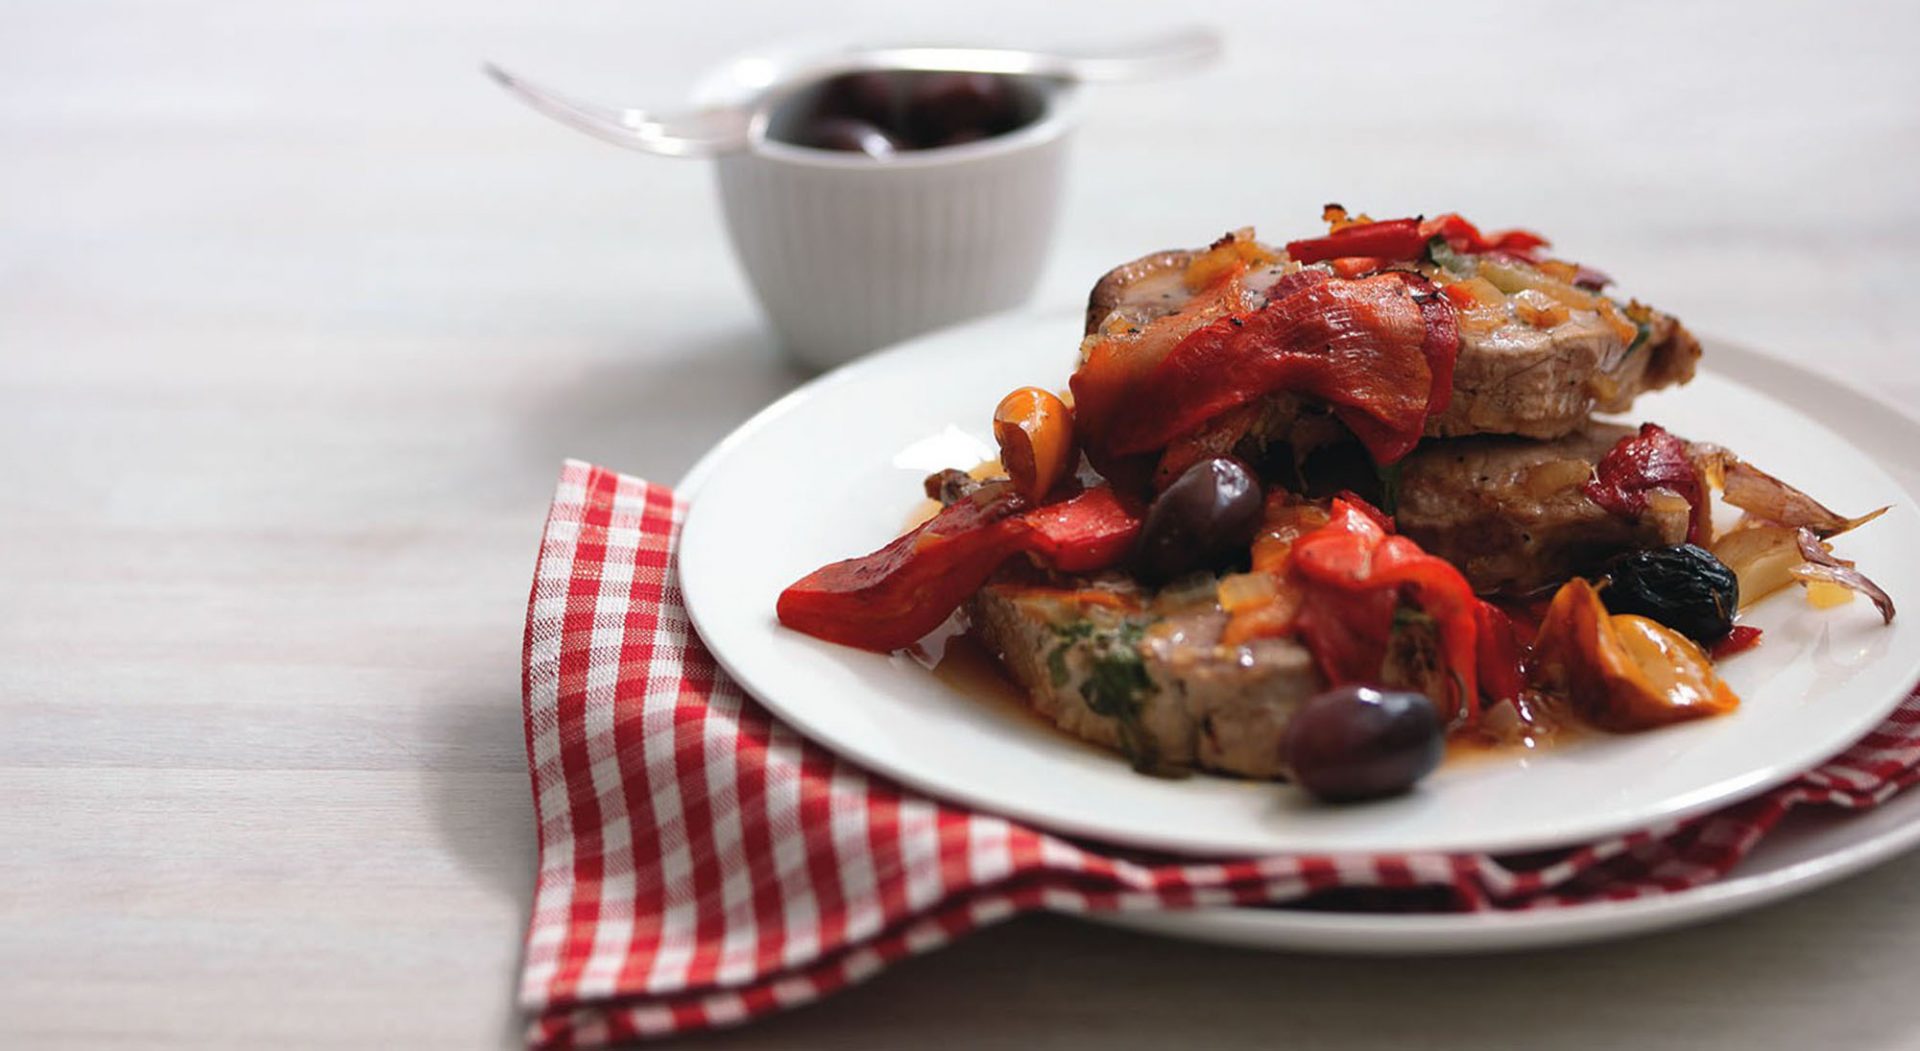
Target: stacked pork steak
[
  {"x": 1498, "y": 488},
  {"x": 1512, "y": 378}
]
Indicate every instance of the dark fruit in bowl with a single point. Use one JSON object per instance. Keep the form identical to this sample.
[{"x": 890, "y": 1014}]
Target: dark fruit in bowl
[
  {"x": 1205, "y": 520},
  {"x": 1685, "y": 588},
  {"x": 884, "y": 112},
  {"x": 872, "y": 97},
  {"x": 848, "y": 135},
  {"x": 1355, "y": 742},
  {"x": 943, "y": 106}
]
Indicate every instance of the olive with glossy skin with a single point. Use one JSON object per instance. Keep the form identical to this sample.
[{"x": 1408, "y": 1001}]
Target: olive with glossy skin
[
  {"x": 1205, "y": 520},
  {"x": 1355, "y": 742},
  {"x": 1685, "y": 588}
]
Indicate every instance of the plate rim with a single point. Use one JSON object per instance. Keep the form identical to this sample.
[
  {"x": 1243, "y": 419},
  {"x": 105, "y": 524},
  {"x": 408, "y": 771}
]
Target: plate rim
[
  {"x": 1353, "y": 933},
  {"x": 1731, "y": 360}
]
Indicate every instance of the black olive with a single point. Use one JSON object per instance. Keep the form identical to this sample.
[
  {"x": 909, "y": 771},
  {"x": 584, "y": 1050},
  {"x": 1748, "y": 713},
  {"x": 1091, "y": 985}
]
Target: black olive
[
  {"x": 1684, "y": 587},
  {"x": 1355, "y": 742},
  {"x": 1205, "y": 520}
]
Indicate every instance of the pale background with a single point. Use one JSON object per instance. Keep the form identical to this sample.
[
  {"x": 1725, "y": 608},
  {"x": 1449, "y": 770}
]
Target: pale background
[{"x": 298, "y": 316}]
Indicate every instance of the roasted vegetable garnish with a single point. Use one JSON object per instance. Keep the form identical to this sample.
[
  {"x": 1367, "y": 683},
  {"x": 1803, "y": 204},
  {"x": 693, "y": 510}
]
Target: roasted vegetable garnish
[
  {"x": 1352, "y": 575},
  {"x": 1821, "y": 566},
  {"x": 1379, "y": 351},
  {"x": 1766, "y": 498},
  {"x": 1623, "y": 672},
  {"x": 1229, "y": 255},
  {"x": 1762, "y": 557},
  {"x": 893, "y": 597},
  {"x": 1402, "y": 240},
  {"x": 1644, "y": 466},
  {"x": 1034, "y": 429}
]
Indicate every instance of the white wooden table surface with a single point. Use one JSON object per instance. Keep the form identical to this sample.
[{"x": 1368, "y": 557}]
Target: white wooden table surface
[{"x": 298, "y": 317}]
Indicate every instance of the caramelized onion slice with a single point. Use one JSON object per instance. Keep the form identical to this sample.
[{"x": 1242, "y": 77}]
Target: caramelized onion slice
[
  {"x": 1762, "y": 557},
  {"x": 1768, "y": 498},
  {"x": 1767, "y": 558},
  {"x": 1821, "y": 564}
]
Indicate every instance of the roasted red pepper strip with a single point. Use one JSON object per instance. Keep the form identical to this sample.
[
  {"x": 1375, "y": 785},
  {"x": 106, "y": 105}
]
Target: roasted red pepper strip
[
  {"x": 1463, "y": 236},
  {"x": 892, "y": 598},
  {"x": 1501, "y": 653},
  {"x": 1394, "y": 239},
  {"x": 1741, "y": 639},
  {"x": 1643, "y": 462},
  {"x": 1404, "y": 240},
  {"x": 1379, "y": 351},
  {"x": 1353, "y": 574},
  {"x": 1356, "y": 265},
  {"x": 1088, "y": 533}
]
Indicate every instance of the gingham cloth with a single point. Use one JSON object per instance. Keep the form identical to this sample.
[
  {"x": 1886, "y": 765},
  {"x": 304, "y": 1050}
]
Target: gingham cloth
[{"x": 701, "y": 865}]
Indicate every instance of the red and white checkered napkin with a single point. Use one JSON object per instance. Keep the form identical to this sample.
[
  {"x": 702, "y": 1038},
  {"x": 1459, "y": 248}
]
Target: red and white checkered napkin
[{"x": 701, "y": 865}]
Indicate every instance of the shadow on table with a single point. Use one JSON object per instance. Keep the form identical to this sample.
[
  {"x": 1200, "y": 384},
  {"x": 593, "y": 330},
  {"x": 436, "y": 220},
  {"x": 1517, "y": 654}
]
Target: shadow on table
[
  {"x": 484, "y": 806},
  {"x": 1807, "y": 973},
  {"x": 652, "y": 415},
  {"x": 643, "y": 413}
]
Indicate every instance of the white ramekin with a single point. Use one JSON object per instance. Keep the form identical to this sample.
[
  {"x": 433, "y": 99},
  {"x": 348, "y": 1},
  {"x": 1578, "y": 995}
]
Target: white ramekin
[{"x": 848, "y": 254}]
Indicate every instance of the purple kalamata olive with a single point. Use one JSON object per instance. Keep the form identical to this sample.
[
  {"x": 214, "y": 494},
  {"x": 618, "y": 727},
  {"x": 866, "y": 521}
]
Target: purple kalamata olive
[
  {"x": 1205, "y": 520},
  {"x": 1355, "y": 742}
]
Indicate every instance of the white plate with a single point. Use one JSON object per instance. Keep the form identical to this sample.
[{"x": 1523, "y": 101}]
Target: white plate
[
  {"x": 829, "y": 472},
  {"x": 1806, "y": 851}
]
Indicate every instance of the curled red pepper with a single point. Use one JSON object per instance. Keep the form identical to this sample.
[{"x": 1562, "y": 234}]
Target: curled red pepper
[
  {"x": 1354, "y": 575},
  {"x": 1392, "y": 239},
  {"x": 1463, "y": 236},
  {"x": 1405, "y": 240},
  {"x": 1742, "y": 638},
  {"x": 1378, "y": 350},
  {"x": 1642, "y": 463},
  {"x": 895, "y": 596}
]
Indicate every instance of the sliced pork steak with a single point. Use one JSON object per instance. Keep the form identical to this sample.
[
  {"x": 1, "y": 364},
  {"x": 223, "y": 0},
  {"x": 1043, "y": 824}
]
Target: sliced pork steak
[
  {"x": 1156, "y": 686},
  {"x": 1511, "y": 513},
  {"x": 1512, "y": 377}
]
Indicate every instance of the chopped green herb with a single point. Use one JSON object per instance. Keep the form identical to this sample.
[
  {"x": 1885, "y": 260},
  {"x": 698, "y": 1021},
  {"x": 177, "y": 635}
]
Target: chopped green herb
[
  {"x": 1640, "y": 338},
  {"x": 1116, "y": 682},
  {"x": 1459, "y": 264},
  {"x": 1068, "y": 634},
  {"x": 1642, "y": 320},
  {"x": 1389, "y": 486},
  {"x": 1413, "y": 658}
]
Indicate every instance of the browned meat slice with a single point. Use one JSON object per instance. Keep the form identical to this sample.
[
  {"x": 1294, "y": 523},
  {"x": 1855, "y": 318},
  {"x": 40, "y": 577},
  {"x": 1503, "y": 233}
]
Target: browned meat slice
[
  {"x": 1149, "y": 287},
  {"x": 1532, "y": 372},
  {"x": 1156, "y": 687},
  {"x": 1511, "y": 513},
  {"x": 1541, "y": 383}
]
